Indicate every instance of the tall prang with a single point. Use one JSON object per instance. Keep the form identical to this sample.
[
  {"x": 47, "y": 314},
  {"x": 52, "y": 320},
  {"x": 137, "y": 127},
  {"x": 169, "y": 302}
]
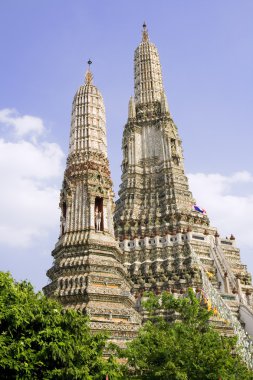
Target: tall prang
[
  {"x": 168, "y": 244},
  {"x": 87, "y": 272},
  {"x": 154, "y": 190}
]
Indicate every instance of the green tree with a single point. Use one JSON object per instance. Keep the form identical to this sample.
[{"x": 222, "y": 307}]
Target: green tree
[
  {"x": 39, "y": 340},
  {"x": 188, "y": 348}
]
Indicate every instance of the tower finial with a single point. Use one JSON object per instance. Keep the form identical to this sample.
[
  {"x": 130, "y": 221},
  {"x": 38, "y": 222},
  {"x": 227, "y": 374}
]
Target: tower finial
[
  {"x": 88, "y": 75},
  {"x": 144, "y": 32}
]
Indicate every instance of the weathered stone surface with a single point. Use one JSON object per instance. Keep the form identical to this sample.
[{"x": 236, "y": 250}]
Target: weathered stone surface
[
  {"x": 87, "y": 273},
  {"x": 167, "y": 245}
]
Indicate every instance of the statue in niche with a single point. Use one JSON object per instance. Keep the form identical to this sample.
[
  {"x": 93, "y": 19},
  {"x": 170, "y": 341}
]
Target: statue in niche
[
  {"x": 126, "y": 152},
  {"x": 63, "y": 224},
  {"x": 98, "y": 219},
  {"x": 63, "y": 218},
  {"x": 176, "y": 159},
  {"x": 173, "y": 146}
]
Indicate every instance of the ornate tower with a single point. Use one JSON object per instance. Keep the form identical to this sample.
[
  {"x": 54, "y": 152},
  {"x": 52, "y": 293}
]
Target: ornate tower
[
  {"x": 167, "y": 244},
  {"x": 87, "y": 273},
  {"x": 154, "y": 194}
]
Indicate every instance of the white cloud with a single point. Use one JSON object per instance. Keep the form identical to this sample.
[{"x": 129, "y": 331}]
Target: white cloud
[
  {"x": 23, "y": 125},
  {"x": 241, "y": 177},
  {"x": 229, "y": 203},
  {"x": 30, "y": 171}
]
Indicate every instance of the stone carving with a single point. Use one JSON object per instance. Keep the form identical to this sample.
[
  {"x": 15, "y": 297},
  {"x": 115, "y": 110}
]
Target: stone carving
[{"x": 98, "y": 219}]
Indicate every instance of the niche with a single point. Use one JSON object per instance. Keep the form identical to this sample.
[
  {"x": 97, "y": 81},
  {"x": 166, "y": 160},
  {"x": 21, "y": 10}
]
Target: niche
[
  {"x": 63, "y": 218},
  {"x": 126, "y": 152},
  {"x": 125, "y": 164},
  {"x": 99, "y": 217}
]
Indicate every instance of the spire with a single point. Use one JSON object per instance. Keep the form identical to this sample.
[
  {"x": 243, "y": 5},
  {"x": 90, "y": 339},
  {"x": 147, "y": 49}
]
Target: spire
[
  {"x": 88, "y": 133},
  {"x": 144, "y": 33},
  {"x": 147, "y": 71},
  {"x": 88, "y": 75}
]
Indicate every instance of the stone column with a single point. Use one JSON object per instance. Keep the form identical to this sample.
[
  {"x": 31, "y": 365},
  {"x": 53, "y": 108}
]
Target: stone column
[
  {"x": 92, "y": 216},
  {"x": 226, "y": 283}
]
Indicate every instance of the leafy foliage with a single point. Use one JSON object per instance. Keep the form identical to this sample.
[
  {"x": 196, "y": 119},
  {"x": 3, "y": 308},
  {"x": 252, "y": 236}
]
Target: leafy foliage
[
  {"x": 39, "y": 340},
  {"x": 186, "y": 349}
]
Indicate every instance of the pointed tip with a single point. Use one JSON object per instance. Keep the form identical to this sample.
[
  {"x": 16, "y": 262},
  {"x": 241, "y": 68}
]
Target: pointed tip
[
  {"x": 144, "y": 32},
  {"x": 88, "y": 75}
]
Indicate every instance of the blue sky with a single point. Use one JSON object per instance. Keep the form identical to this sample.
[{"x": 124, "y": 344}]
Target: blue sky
[{"x": 206, "y": 53}]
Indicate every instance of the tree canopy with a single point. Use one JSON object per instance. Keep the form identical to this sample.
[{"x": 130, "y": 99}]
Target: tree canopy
[
  {"x": 40, "y": 340},
  {"x": 188, "y": 348}
]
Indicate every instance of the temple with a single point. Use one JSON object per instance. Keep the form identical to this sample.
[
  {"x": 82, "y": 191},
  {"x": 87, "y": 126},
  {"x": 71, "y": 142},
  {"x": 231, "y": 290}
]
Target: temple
[
  {"x": 167, "y": 241},
  {"x": 87, "y": 272},
  {"x": 164, "y": 242}
]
